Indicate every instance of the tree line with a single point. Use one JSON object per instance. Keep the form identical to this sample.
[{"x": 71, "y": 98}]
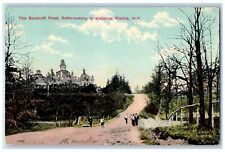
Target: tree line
[
  {"x": 25, "y": 103},
  {"x": 192, "y": 71}
]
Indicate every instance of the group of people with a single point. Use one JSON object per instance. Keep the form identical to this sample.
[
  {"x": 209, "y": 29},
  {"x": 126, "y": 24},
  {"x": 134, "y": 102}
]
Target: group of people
[
  {"x": 90, "y": 120},
  {"x": 134, "y": 119}
]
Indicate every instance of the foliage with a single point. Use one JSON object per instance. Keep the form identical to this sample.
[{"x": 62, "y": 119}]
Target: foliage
[
  {"x": 146, "y": 115},
  {"x": 150, "y": 110},
  {"x": 35, "y": 127},
  {"x": 147, "y": 139},
  {"x": 192, "y": 70},
  {"x": 26, "y": 105},
  {"x": 117, "y": 84},
  {"x": 191, "y": 133}
]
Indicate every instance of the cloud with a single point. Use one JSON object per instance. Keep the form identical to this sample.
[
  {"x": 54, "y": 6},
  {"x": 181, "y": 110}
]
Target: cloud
[
  {"x": 150, "y": 24},
  {"x": 165, "y": 53},
  {"x": 208, "y": 9},
  {"x": 47, "y": 46},
  {"x": 67, "y": 55},
  {"x": 161, "y": 19},
  {"x": 110, "y": 31},
  {"x": 135, "y": 34},
  {"x": 54, "y": 38},
  {"x": 101, "y": 13},
  {"x": 18, "y": 29},
  {"x": 20, "y": 26},
  {"x": 20, "y": 33}
]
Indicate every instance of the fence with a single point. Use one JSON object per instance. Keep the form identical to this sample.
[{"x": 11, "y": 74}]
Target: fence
[{"x": 179, "y": 113}]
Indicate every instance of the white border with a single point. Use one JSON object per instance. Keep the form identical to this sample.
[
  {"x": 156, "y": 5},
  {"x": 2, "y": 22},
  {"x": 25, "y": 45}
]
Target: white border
[{"x": 110, "y": 2}]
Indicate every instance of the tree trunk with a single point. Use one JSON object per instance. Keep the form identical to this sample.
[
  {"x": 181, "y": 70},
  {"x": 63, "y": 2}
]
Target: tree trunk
[
  {"x": 210, "y": 102},
  {"x": 56, "y": 115},
  {"x": 199, "y": 71},
  {"x": 190, "y": 102},
  {"x": 190, "y": 86},
  {"x": 169, "y": 96},
  {"x": 217, "y": 86}
]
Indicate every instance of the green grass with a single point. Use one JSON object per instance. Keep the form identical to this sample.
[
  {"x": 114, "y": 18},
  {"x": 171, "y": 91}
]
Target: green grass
[
  {"x": 129, "y": 100},
  {"x": 146, "y": 115},
  {"x": 191, "y": 133},
  {"x": 45, "y": 126},
  {"x": 38, "y": 127},
  {"x": 145, "y": 136}
]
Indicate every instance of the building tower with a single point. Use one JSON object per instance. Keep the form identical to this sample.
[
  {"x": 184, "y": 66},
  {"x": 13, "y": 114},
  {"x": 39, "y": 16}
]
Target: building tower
[{"x": 62, "y": 65}]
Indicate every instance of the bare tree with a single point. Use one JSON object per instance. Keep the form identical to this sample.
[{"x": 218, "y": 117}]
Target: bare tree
[
  {"x": 210, "y": 72},
  {"x": 194, "y": 32},
  {"x": 170, "y": 68},
  {"x": 27, "y": 72},
  {"x": 13, "y": 43}
]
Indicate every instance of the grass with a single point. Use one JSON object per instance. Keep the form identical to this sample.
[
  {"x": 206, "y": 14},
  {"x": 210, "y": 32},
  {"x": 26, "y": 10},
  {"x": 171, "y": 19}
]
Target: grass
[
  {"x": 45, "y": 126},
  {"x": 146, "y": 137},
  {"x": 191, "y": 133},
  {"x": 129, "y": 100},
  {"x": 146, "y": 115},
  {"x": 38, "y": 127}
]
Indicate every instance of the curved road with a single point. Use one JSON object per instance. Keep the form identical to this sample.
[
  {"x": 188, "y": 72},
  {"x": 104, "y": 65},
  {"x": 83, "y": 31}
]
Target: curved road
[{"x": 115, "y": 132}]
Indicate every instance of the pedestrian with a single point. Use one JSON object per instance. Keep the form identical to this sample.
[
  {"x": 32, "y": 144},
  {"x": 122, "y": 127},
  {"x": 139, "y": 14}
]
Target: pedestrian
[
  {"x": 126, "y": 118},
  {"x": 136, "y": 118},
  {"x": 90, "y": 120},
  {"x": 132, "y": 120},
  {"x": 102, "y": 122}
]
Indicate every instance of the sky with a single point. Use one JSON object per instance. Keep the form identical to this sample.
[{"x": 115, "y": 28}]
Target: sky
[{"x": 102, "y": 47}]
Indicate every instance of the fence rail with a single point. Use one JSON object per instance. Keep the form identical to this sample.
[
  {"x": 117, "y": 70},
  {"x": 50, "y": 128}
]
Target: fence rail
[{"x": 176, "y": 113}]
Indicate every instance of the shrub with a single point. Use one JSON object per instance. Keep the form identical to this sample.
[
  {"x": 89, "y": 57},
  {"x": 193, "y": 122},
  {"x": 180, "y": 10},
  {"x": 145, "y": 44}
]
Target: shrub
[
  {"x": 146, "y": 137},
  {"x": 194, "y": 135}
]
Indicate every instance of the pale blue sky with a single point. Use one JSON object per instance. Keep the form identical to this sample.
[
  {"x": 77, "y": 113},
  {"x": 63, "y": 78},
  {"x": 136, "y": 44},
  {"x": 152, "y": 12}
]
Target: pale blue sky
[{"x": 101, "y": 47}]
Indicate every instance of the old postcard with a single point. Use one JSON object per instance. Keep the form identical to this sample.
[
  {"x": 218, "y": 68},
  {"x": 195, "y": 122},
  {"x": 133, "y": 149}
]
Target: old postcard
[{"x": 112, "y": 75}]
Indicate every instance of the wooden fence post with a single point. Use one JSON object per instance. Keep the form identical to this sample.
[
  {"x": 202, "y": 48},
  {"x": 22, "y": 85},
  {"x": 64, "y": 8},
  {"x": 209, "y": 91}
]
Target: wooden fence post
[{"x": 176, "y": 117}]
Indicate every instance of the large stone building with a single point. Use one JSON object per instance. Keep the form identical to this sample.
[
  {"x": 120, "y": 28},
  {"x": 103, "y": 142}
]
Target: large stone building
[
  {"x": 62, "y": 73},
  {"x": 62, "y": 76}
]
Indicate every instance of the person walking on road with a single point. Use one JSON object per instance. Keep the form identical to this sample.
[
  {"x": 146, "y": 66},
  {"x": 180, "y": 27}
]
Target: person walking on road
[
  {"x": 90, "y": 120},
  {"x": 126, "y": 118},
  {"x": 136, "y": 118},
  {"x": 132, "y": 120},
  {"x": 102, "y": 122}
]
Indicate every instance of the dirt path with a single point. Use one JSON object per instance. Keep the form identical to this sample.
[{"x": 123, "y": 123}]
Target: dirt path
[
  {"x": 115, "y": 132},
  {"x": 153, "y": 123}
]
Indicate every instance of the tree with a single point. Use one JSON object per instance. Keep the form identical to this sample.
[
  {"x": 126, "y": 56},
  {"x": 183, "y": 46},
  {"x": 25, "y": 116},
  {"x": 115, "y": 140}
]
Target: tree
[
  {"x": 170, "y": 68},
  {"x": 198, "y": 33},
  {"x": 155, "y": 86},
  {"x": 117, "y": 84},
  {"x": 13, "y": 44},
  {"x": 27, "y": 72},
  {"x": 137, "y": 89},
  {"x": 210, "y": 73}
]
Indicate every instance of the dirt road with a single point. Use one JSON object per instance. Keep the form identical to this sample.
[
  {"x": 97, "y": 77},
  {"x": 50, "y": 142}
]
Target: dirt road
[{"x": 115, "y": 132}]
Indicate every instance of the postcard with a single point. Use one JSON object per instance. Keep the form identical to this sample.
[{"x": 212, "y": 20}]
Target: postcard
[{"x": 112, "y": 75}]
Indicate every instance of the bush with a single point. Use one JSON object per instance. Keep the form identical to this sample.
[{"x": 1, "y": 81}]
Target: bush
[
  {"x": 194, "y": 135},
  {"x": 152, "y": 109},
  {"x": 146, "y": 137},
  {"x": 35, "y": 127},
  {"x": 60, "y": 107}
]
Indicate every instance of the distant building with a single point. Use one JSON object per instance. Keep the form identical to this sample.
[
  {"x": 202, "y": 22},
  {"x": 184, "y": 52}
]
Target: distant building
[
  {"x": 62, "y": 73},
  {"x": 85, "y": 79},
  {"x": 40, "y": 80},
  {"x": 62, "y": 77}
]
